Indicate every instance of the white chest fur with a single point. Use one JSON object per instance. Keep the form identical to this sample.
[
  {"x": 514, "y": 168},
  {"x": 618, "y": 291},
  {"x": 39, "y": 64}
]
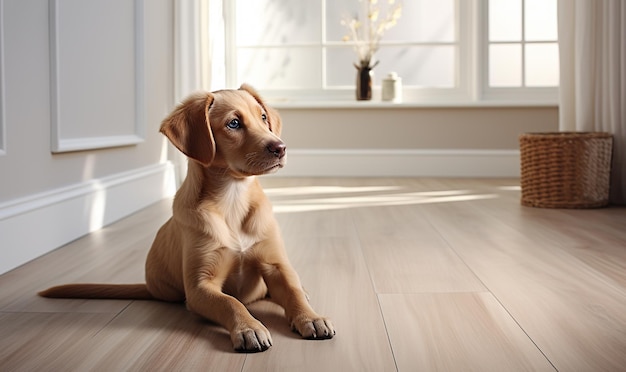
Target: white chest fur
[{"x": 234, "y": 205}]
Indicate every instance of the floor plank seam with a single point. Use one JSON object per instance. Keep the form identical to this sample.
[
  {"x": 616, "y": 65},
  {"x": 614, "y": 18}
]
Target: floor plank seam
[
  {"x": 371, "y": 279},
  {"x": 113, "y": 318},
  {"x": 456, "y": 253},
  {"x": 488, "y": 290},
  {"x": 523, "y": 330},
  {"x": 358, "y": 237},
  {"x": 382, "y": 316}
]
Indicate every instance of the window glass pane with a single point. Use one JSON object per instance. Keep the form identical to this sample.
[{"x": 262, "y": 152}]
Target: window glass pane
[
  {"x": 421, "y": 20},
  {"x": 277, "y": 22},
  {"x": 280, "y": 68},
  {"x": 424, "y": 66},
  {"x": 336, "y": 12},
  {"x": 505, "y": 20},
  {"x": 540, "y": 22},
  {"x": 505, "y": 65},
  {"x": 431, "y": 66},
  {"x": 542, "y": 65},
  {"x": 425, "y": 21},
  {"x": 340, "y": 70}
]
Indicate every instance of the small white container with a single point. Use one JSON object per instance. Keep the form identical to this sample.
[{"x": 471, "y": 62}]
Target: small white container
[{"x": 392, "y": 88}]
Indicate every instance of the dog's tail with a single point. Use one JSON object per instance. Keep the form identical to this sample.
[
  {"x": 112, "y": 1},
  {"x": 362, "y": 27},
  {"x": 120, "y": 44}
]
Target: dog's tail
[{"x": 100, "y": 291}]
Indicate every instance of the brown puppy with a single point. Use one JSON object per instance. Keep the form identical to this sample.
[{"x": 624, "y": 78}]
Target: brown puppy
[{"x": 222, "y": 247}]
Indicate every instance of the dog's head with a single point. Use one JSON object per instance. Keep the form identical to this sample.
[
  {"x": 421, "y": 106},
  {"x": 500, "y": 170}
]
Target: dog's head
[{"x": 231, "y": 129}]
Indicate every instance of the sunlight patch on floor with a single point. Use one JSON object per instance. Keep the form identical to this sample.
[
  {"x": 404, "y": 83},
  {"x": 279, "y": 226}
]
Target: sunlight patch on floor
[
  {"x": 510, "y": 188},
  {"x": 311, "y": 190},
  {"x": 320, "y": 198}
]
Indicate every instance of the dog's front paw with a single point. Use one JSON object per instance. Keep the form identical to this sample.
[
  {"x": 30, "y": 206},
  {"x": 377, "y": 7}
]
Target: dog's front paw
[
  {"x": 251, "y": 339},
  {"x": 313, "y": 328}
]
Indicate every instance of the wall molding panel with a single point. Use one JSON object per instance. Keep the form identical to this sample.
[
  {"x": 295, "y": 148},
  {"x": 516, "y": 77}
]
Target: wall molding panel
[
  {"x": 31, "y": 226},
  {"x": 401, "y": 163},
  {"x": 96, "y": 101}
]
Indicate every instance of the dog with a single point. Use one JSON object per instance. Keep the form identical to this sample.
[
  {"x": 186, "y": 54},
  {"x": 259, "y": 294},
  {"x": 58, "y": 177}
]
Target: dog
[{"x": 221, "y": 249}]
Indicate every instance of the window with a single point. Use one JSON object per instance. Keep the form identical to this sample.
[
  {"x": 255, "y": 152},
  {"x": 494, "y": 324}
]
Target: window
[
  {"x": 444, "y": 50},
  {"x": 521, "y": 47}
]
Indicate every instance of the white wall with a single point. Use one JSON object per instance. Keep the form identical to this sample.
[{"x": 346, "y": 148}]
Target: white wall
[
  {"x": 372, "y": 139},
  {"x": 84, "y": 86}
]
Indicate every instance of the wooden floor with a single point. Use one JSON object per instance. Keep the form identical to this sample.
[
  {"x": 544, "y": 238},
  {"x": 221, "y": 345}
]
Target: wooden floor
[{"x": 417, "y": 275}]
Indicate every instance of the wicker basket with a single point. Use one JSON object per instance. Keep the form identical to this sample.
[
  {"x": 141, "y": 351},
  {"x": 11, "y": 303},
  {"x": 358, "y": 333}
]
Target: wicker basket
[{"x": 566, "y": 169}]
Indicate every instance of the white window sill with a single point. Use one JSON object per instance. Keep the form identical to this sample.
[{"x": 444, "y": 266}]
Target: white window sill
[{"x": 377, "y": 104}]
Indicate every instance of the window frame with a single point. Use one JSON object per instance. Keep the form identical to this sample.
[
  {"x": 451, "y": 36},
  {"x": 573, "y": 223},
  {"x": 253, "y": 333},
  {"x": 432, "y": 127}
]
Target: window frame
[
  {"x": 531, "y": 95},
  {"x": 471, "y": 60}
]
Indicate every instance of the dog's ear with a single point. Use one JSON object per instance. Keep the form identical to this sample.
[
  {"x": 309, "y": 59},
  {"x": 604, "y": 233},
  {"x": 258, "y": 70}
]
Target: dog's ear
[
  {"x": 276, "y": 123},
  {"x": 188, "y": 128},
  {"x": 273, "y": 118}
]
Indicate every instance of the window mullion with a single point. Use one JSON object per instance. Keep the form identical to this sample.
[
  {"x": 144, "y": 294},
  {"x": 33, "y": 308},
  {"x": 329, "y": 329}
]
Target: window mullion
[
  {"x": 523, "y": 43},
  {"x": 469, "y": 45},
  {"x": 482, "y": 45},
  {"x": 230, "y": 31},
  {"x": 323, "y": 47}
]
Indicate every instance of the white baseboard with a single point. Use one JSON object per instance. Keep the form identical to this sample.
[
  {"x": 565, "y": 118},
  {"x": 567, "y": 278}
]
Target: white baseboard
[
  {"x": 402, "y": 163},
  {"x": 37, "y": 224}
]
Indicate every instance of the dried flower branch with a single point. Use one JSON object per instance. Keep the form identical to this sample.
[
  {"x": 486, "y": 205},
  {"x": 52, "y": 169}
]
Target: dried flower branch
[{"x": 366, "y": 36}]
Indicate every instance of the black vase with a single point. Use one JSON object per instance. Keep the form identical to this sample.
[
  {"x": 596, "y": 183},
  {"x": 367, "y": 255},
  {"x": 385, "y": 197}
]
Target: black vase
[{"x": 364, "y": 83}]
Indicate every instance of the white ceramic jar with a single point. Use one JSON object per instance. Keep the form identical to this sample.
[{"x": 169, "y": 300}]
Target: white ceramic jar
[{"x": 392, "y": 88}]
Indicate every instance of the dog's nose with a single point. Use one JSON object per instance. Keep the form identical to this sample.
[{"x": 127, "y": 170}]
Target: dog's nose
[{"x": 277, "y": 148}]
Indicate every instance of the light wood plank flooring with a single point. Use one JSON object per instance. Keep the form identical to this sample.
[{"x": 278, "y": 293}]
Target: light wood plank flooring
[{"x": 417, "y": 275}]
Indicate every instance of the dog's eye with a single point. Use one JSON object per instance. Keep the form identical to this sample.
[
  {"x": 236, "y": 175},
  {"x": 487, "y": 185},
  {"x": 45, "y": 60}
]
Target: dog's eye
[
  {"x": 264, "y": 117},
  {"x": 234, "y": 124}
]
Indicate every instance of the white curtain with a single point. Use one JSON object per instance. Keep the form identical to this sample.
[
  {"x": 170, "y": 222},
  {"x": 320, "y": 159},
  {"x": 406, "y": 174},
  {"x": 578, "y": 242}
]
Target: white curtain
[
  {"x": 592, "y": 46},
  {"x": 199, "y": 46},
  {"x": 199, "y": 62}
]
